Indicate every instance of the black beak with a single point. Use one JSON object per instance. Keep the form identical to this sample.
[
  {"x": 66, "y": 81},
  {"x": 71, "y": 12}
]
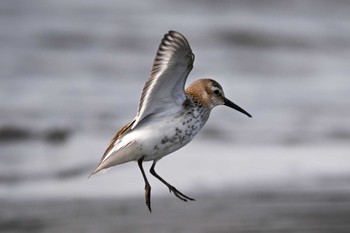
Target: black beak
[{"x": 230, "y": 104}]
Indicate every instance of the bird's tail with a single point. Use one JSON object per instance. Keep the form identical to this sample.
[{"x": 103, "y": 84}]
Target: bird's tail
[
  {"x": 125, "y": 154},
  {"x": 98, "y": 170}
]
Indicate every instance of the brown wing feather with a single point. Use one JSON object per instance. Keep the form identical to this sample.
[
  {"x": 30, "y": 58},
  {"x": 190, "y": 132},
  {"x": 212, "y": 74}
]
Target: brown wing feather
[{"x": 120, "y": 133}]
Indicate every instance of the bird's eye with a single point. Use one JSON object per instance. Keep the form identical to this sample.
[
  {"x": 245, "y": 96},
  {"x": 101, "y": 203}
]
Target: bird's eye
[{"x": 216, "y": 92}]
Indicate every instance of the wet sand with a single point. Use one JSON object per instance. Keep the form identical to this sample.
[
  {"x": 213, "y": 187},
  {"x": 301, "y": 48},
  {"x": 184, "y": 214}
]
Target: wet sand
[{"x": 258, "y": 210}]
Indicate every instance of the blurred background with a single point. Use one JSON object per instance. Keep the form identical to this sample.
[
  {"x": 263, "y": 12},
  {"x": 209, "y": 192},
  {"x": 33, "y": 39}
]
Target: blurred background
[{"x": 71, "y": 73}]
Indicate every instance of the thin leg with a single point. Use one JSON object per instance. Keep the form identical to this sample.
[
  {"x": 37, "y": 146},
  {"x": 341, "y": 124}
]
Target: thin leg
[
  {"x": 147, "y": 186},
  {"x": 176, "y": 192}
]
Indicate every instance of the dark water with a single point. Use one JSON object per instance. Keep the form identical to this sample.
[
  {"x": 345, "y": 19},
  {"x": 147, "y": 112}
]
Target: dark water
[{"x": 71, "y": 73}]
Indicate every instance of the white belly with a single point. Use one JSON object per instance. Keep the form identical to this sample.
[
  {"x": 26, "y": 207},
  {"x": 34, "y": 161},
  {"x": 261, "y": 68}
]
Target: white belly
[{"x": 159, "y": 138}]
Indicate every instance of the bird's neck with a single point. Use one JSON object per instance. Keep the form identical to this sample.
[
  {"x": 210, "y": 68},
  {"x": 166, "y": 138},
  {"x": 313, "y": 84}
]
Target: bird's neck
[
  {"x": 196, "y": 108},
  {"x": 197, "y": 94}
]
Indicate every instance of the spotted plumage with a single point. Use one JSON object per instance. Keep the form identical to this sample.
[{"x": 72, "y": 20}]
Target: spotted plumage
[{"x": 168, "y": 116}]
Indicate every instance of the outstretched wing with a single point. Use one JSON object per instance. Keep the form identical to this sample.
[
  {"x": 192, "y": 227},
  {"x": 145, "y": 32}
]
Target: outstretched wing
[{"x": 165, "y": 87}]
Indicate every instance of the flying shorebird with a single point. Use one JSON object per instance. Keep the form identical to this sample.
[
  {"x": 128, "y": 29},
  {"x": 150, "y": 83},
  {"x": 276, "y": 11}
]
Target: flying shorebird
[{"x": 168, "y": 116}]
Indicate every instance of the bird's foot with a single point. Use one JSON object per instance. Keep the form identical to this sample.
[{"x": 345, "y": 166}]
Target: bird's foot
[{"x": 180, "y": 195}]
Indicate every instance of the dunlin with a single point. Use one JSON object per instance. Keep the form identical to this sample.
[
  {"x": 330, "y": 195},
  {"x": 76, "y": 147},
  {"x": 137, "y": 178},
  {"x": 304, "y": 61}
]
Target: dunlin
[{"x": 168, "y": 116}]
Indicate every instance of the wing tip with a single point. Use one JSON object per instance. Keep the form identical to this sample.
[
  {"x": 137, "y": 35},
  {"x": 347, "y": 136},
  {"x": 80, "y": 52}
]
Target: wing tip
[
  {"x": 174, "y": 36},
  {"x": 175, "y": 33}
]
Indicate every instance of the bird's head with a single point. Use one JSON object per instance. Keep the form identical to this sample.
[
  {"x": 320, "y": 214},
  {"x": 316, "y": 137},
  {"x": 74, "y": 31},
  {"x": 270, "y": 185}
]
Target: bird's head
[{"x": 210, "y": 93}]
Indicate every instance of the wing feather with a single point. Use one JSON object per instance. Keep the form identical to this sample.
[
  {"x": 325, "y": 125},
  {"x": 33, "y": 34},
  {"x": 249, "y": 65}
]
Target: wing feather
[
  {"x": 111, "y": 145},
  {"x": 165, "y": 87}
]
